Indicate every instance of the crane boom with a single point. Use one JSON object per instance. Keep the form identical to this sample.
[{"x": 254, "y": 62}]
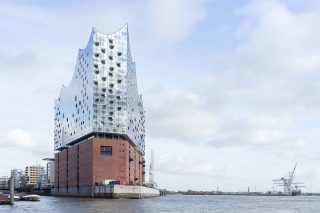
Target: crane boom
[{"x": 292, "y": 173}]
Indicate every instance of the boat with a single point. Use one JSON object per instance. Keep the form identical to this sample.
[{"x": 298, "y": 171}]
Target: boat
[
  {"x": 4, "y": 199},
  {"x": 31, "y": 198},
  {"x": 15, "y": 197}
]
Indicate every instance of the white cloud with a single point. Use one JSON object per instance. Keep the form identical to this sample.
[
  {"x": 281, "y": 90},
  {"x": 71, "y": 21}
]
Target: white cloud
[
  {"x": 180, "y": 115},
  {"x": 173, "y": 20},
  {"x": 17, "y": 138},
  {"x": 23, "y": 140},
  {"x": 19, "y": 62},
  {"x": 195, "y": 167},
  {"x": 262, "y": 94},
  {"x": 152, "y": 23}
]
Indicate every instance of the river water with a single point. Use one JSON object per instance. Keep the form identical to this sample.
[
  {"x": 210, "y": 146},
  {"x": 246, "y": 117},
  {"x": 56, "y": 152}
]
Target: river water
[{"x": 170, "y": 203}]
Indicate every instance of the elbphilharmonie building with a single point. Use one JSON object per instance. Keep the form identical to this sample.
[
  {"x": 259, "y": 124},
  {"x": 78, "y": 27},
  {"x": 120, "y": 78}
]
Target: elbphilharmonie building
[{"x": 99, "y": 120}]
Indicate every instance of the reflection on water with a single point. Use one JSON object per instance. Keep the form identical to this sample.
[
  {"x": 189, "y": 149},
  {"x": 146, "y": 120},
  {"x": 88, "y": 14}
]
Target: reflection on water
[{"x": 171, "y": 203}]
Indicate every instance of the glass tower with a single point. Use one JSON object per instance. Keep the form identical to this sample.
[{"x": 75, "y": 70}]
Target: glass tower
[{"x": 102, "y": 97}]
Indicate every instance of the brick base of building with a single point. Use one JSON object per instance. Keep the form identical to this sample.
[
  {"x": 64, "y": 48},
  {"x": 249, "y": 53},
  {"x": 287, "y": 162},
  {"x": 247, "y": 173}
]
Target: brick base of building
[{"x": 85, "y": 164}]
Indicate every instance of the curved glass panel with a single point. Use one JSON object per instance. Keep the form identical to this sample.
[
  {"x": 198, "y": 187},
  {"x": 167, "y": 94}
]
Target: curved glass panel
[{"x": 102, "y": 95}]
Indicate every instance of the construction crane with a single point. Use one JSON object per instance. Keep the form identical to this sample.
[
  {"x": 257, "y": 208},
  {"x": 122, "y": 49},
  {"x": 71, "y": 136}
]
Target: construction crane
[
  {"x": 151, "y": 177},
  {"x": 151, "y": 182},
  {"x": 287, "y": 182}
]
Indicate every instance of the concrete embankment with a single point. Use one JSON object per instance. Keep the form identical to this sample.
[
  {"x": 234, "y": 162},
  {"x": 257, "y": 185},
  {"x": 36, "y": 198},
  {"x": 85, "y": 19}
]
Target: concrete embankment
[{"x": 108, "y": 191}]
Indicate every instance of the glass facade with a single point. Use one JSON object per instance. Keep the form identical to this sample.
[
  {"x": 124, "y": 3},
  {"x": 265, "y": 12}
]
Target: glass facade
[{"x": 102, "y": 95}]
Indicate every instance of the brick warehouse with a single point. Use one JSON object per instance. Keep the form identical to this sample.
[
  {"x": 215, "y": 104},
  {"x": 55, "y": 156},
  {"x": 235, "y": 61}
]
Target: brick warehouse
[
  {"x": 99, "y": 131},
  {"x": 84, "y": 165}
]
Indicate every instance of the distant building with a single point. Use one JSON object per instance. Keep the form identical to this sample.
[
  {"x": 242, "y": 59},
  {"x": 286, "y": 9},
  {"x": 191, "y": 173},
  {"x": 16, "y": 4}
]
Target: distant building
[
  {"x": 35, "y": 176},
  {"x": 43, "y": 181},
  {"x": 19, "y": 178},
  {"x": 4, "y": 182},
  {"x": 99, "y": 120},
  {"x": 49, "y": 173}
]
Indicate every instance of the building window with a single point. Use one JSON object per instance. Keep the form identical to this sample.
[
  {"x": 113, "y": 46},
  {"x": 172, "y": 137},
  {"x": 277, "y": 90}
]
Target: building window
[
  {"x": 119, "y": 53},
  {"x": 118, "y": 64},
  {"x": 111, "y": 46},
  {"x": 110, "y": 41},
  {"x": 105, "y": 150},
  {"x": 110, "y": 57},
  {"x": 103, "y": 50},
  {"x": 96, "y": 43}
]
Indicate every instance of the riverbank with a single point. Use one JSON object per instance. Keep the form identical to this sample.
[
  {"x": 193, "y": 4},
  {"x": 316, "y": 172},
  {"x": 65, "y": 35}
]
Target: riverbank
[{"x": 190, "y": 192}]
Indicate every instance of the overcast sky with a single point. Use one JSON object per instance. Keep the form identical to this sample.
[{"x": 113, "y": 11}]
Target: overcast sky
[{"x": 231, "y": 88}]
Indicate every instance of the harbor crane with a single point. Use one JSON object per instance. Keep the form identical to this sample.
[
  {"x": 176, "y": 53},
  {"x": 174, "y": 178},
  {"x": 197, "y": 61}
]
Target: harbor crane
[{"x": 287, "y": 182}]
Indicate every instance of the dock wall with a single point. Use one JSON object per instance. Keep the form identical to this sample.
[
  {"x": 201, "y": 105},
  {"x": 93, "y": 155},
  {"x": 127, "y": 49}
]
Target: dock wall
[{"x": 108, "y": 191}]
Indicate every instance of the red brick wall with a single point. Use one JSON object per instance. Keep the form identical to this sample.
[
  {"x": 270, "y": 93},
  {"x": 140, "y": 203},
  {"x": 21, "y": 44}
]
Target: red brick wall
[
  {"x": 141, "y": 168},
  {"x": 136, "y": 166},
  {"x": 56, "y": 169},
  {"x": 109, "y": 166},
  {"x": 72, "y": 165},
  {"x": 131, "y": 164},
  {"x": 127, "y": 146},
  {"x": 86, "y": 163},
  {"x": 85, "y": 160},
  {"x": 63, "y": 168}
]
